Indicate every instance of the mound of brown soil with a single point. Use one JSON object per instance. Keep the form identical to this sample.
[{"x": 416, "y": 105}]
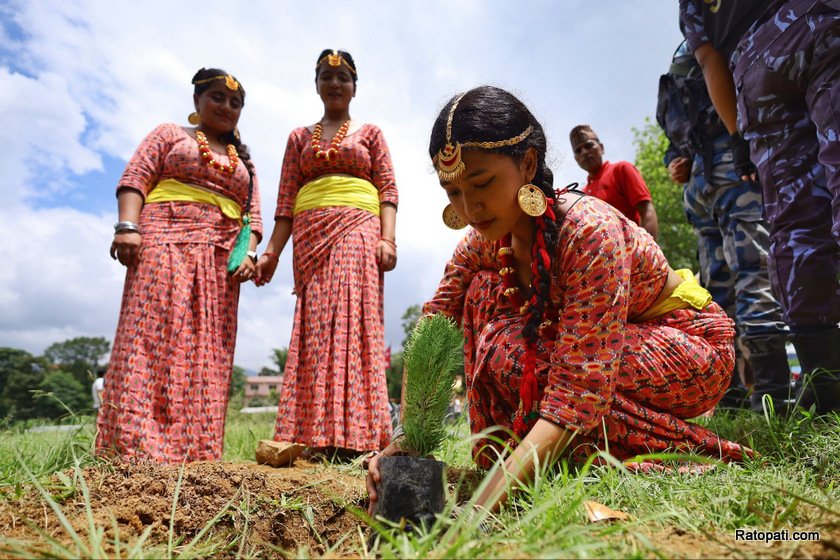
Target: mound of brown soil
[
  {"x": 310, "y": 509},
  {"x": 306, "y": 509}
]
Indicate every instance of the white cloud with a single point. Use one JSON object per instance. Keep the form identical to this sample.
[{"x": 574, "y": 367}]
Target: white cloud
[
  {"x": 57, "y": 280},
  {"x": 42, "y": 124},
  {"x": 98, "y": 76}
]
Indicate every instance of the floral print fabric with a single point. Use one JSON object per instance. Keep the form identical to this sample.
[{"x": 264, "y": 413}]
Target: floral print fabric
[
  {"x": 334, "y": 392},
  {"x": 619, "y": 384},
  {"x": 166, "y": 388}
]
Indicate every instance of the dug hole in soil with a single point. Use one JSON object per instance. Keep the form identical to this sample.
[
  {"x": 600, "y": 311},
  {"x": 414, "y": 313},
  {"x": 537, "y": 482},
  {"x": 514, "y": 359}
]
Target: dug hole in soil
[{"x": 304, "y": 507}]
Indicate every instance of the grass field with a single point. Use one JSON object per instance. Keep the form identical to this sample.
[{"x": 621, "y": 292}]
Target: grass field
[{"x": 51, "y": 503}]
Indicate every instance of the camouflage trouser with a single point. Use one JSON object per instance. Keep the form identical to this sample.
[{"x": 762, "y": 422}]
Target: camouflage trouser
[
  {"x": 787, "y": 74},
  {"x": 725, "y": 212}
]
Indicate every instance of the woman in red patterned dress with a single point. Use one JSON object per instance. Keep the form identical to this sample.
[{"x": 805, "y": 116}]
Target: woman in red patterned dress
[
  {"x": 338, "y": 198},
  {"x": 578, "y": 335},
  {"x": 183, "y": 200}
]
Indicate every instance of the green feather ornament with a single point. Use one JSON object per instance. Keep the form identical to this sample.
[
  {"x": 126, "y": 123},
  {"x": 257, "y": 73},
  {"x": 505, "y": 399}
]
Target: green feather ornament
[{"x": 240, "y": 247}]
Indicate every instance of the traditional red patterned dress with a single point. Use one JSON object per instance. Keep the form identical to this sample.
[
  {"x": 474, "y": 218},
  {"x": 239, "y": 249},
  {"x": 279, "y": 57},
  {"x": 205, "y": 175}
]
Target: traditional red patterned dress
[
  {"x": 334, "y": 391},
  {"x": 166, "y": 390},
  {"x": 623, "y": 385}
]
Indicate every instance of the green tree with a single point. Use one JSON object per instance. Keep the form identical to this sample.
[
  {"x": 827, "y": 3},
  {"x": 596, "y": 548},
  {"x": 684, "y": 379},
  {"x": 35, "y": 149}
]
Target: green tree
[
  {"x": 237, "y": 381},
  {"x": 409, "y": 320},
  {"x": 80, "y": 356},
  {"x": 434, "y": 354},
  {"x": 280, "y": 355},
  {"x": 11, "y": 359},
  {"x": 676, "y": 237},
  {"x": 393, "y": 375},
  {"x": 20, "y": 375},
  {"x": 57, "y": 390}
]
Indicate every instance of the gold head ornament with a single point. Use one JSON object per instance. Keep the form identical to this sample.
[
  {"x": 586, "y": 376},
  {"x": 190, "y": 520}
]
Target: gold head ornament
[
  {"x": 335, "y": 59},
  {"x": 230, "y": 81},
  {"x": 448, "y": 162}
]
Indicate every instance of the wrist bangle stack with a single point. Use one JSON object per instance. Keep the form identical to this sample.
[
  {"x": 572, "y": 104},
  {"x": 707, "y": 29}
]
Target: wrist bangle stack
[
  {"x": 271, "y": 255},
  {"x": 123, "y": 226},
  {"x": 389, "y": 241}
]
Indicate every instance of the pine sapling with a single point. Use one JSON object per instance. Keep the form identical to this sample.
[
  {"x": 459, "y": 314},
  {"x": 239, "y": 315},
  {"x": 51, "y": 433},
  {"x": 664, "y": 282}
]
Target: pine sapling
[{"x": 433, "y": 356}]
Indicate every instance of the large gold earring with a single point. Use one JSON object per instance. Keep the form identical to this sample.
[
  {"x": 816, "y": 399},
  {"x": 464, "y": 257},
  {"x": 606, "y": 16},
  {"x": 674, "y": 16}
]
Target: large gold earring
[
  {"x": 452, "y": 219},
  {"x": 236, "y": 134},
  {"x": 194, "y": 118},
  {"x": 532, "y": 200}
]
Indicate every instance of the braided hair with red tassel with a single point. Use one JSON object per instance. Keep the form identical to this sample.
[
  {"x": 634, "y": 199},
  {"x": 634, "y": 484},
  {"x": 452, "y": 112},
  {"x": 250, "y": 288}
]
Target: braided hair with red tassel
[{"x": 493, "y": 115}]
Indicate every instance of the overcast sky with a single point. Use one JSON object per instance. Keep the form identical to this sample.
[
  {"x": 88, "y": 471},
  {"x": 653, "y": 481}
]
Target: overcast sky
[{"x": 81, "y": 83}]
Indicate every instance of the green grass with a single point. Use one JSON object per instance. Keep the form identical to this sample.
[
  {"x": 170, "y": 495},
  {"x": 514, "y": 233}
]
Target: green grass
[
  {"x": 243, "y": 432},
  {"x": 794, "y": 484},
  {"x": 43, "y": 453}
]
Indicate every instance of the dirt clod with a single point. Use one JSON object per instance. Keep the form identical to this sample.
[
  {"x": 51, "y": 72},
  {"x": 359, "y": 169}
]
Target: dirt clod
[{"x": 278, "y": 453}]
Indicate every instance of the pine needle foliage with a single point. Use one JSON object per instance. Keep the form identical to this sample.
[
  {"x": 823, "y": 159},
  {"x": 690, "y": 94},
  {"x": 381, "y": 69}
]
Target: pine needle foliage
[{"x": 433, "y": 356}]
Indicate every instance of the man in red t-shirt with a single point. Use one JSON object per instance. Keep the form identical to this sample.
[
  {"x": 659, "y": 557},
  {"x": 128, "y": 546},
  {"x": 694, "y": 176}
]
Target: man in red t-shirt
[{"x": 619, "y": 184}]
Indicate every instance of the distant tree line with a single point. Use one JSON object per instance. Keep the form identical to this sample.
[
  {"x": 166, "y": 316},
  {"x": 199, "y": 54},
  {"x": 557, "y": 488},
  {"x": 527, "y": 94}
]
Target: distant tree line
[
  {"x": 59, "y": 382},
  {"x": 53, "y": 385},
  {"x": 47, "y": 386}
]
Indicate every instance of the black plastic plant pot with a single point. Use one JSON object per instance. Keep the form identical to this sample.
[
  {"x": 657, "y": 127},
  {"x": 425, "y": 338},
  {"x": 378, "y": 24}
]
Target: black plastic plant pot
[{"x": 410, "y": 488}]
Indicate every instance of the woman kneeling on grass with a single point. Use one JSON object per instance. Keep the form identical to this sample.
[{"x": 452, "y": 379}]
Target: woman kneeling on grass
[{"x": 575, "y": 326}]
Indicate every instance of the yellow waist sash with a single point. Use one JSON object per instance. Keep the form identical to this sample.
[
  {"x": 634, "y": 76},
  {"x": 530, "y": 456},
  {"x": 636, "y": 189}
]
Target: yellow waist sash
[
  {"x": 170, "y": 190},
  {"x": 688, "y": 294},
  {"x": 337, "y": 190}
]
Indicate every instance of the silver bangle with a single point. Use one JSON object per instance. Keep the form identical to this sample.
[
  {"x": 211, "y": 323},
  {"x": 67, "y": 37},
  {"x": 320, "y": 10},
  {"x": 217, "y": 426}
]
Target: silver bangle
[{"x": 120, "y": 227}]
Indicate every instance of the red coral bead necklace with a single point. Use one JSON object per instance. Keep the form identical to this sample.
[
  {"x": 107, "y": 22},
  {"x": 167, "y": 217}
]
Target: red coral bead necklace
[
  {"x": 332, "y": 151},
  {"x": 210, "y": 160}
]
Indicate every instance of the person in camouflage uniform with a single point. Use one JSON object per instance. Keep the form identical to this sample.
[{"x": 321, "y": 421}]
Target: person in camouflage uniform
[
  {"x": 773, "y": 71},
  {"x": 725, "y": 212}
]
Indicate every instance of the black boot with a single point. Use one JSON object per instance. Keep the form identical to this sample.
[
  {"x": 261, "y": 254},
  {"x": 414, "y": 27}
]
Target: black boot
[
  {"x": 819, "y": 356},
  {"x": 767, "y": 357}
]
